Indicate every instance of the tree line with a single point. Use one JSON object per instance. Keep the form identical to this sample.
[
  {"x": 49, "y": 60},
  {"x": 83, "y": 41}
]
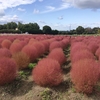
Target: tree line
[
  {"x": 31, "y": 28},
  {"x": 34, "y": 28},
  {"x": 81, "y": 30}
]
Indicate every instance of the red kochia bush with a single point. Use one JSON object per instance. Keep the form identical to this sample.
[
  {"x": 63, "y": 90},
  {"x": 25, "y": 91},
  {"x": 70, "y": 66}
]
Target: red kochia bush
[
  {"x": 78, "y": 46},
  {"x": 15, "y": 47},
  {"x": 6, "y": 43},
  {"x": 16, "y": 41},
  {"x": 32, "y": 40},
  {"x": 46, "y": 44},
  {"x": 57, "y": 54},
  {"x": 21, "y": 59},
  {"x": 5, "y": 53},
  {"x": 84, "y": 75},
  {"x": 23, "y": 43},
  {"x": 40, "y": 48},
  {"x": 65, "y": 43},
  {"x": 54, "y": 45},
  {"x": 93, "y": 47},
  {"x": 8, "y": 70},
  {"x": 97, "y": 53},
  {"x": 83, "y": 54},
  {"x": 31, "y": 52},
  {"x": 47, "y": 73}
]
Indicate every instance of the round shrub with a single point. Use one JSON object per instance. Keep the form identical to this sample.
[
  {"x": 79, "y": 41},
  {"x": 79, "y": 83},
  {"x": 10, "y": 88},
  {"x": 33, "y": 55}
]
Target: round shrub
[
  {"x": 83, "y": 54},
  {"x": 47, "y": 73},
  {"x": 51, "y": 40},
  {"x": 5, "y": 53},
  {"x": 8, "y": 70},
  {"x": 21, "y": 59},
  {"x": 65, "y": 43},
  {"x": 23, "y": 43},
  {"x": 40, "y": 48},
  {"x": 57, "y": 54},
  {"x": 6, "y": 43},
  {"x": 46, "y": 44},
  {"x": 31, "y": 52},
  {"x": 16, "y": 41},
  {"x": 26, "y": 39},
  {"x": 32, "y": 40},
  {"x": 77, "y": 46},
  {"x": 84, "y": 75},
  {"x": 97, "y": 53},
  {"x": 54, "y": 45},
  {"x": 15, "y": 47},
  {"x": 93, "y": 47}
]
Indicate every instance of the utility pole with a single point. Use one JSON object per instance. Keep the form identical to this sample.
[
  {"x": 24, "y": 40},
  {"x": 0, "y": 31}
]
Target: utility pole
[{"x": 69, "y": 27}]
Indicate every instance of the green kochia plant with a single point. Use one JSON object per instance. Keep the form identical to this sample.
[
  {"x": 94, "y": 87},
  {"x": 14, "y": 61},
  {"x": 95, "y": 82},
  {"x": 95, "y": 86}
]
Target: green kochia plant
[
  {"x": 23, "y": 74},
  {"x": 46, "y": 94},
  {"x": 32, "y": 65}
]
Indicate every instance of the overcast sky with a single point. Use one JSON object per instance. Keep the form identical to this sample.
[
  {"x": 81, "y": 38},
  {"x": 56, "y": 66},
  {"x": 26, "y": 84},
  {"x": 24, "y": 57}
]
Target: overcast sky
[{"x": 58, "y": 14}]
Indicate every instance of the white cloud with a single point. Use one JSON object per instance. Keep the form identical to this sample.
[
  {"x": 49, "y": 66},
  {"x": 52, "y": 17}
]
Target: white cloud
[
  {"x": 42, "y": 22},
  {"x": 36, "y": 11},
  {"x": 9, "y": 18},
  {"x": 50, "y": 7},
  {"x": 64, "y": 5},
  {"x": 40, "y": 0},
  {"x": 2, "y": 13},
  {"x": 4, "y": 4},
  {"x": 60, "y": 18},
  {"x": 91, "y": 4},
  {"x": 20, "y": 9}
]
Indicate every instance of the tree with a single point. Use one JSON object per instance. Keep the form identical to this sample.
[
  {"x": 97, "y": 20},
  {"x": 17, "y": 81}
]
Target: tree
[
  {"x": 79, "y": 30},
  {"x": 11, "y": 25},
  {"x": 55, "y": 32},
  {"x": 36, "y": 26},
  {"x": 1, "y": 27},
  {"x": 5, "y": 26},
  {"x": 30, "y": 27},
  {"x": 95, "y": 30},
  {"x": 72, "y": 32},
  {"x": 88, "y": 30},
  {"x": 98, "y": 32},
  {"x": 47, "y": 29}
]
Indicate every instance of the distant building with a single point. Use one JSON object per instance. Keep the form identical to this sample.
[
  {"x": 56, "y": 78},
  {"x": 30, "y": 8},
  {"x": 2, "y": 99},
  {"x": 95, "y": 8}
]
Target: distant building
[
  {"x": 16, "y": 29},
  {"x": 26, "y": 32}
]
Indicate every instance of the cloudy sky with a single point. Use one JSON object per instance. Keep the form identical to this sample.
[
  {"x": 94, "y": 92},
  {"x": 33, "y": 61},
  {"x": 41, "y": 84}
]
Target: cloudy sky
[{"x": 58, "y": 14}]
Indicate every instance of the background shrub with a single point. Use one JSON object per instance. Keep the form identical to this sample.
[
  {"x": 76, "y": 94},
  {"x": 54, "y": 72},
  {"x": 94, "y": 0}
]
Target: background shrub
[
  {"x": 93, "y": 47},
  {"x": 5, "y": 53},
  {"x": 15, "y": 47},
  {"x": 21, "y": 59},
  {"x": 31, "y": 52},
  {"x": 6, "y": 43},
  {"x": 54, "y": 45},
  {"x": 97, "y": 53},
  {"x": 82, "y": 54},
  {"x": 57, "y": 54},
  {"x": 40, "y": 48}
]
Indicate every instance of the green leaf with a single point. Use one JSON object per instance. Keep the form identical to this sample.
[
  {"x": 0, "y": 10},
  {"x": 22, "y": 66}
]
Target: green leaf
[{"x": 32, "y": 65}]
